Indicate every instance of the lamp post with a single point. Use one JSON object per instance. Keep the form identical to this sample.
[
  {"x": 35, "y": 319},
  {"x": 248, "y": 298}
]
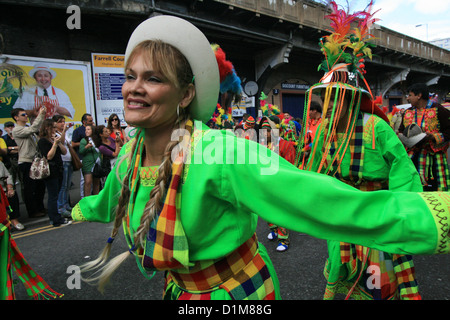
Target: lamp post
[{"x": 423, "y": 24}]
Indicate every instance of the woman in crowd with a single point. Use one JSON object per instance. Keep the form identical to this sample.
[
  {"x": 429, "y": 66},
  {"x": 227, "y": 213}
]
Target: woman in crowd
[
  {"x": 189, "y": 211},
  {"x": 90, "y": 153},
  {"x": 64, "y": 207},
  {"x": 108, "y": 147},
  {"x": 52, "y": 146},
  {"x": 114, "y": 127}
]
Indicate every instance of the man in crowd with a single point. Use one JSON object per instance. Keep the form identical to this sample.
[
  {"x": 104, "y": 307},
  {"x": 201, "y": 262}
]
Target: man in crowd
[
  {"x": 26, "y": 139},
  {"x": 429, "y": 156}
]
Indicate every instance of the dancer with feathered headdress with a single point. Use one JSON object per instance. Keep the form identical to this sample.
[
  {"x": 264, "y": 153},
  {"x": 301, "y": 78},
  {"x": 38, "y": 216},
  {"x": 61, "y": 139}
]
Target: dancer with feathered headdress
[{"x": 356, "y": 145}]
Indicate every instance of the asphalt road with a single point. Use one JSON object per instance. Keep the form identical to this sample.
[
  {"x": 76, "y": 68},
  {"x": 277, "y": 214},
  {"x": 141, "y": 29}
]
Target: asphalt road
[{"x": 52, "y": 252}]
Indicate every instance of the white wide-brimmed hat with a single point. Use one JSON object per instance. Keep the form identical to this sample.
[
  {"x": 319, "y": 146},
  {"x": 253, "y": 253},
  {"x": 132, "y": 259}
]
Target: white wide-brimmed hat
[
  {"x": 41, "y": 67},
  {"x": 193, "y": 44},
  {"x": 412, "y": 135}
]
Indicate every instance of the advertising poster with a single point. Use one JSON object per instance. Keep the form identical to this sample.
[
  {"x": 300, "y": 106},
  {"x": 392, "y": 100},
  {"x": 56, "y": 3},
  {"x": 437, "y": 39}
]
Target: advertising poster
[
  {"x": 63, "y": 86},
  {"x": 108, "y": 73}
]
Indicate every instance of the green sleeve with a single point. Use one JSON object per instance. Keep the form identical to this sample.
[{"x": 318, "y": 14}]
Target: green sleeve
[
  {"x": 83, "y": 149},
  {"x": 324, "y": 207}
]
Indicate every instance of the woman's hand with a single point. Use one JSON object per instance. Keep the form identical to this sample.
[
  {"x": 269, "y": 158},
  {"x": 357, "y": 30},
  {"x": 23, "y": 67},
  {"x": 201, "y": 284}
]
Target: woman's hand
[
  {"x": 119, "y": 140},
  {"x": 56, "y": 140}
]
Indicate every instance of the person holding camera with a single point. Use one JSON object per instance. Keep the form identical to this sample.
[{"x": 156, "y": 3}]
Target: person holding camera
[
  {"x": 109, "y": 147},
  {"x": 114, "y": 127},
  {"x": 26, "y": 139},
  {"x": 64, "y": 207}
]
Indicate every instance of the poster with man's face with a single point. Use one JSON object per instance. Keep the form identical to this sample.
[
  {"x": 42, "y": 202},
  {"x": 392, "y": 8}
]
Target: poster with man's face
[{"x": 63, "y": 87}]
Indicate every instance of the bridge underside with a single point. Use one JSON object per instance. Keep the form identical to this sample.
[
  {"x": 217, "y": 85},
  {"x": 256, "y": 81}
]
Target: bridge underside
[{"x": 262, "y": 48}]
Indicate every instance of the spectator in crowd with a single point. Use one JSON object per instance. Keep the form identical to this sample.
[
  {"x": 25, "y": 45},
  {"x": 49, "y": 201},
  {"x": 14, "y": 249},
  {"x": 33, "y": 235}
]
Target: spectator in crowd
[
  {"x": 90, "y": 153},
  {"x": 11, "y": 160},
  {"x": 64, "y": 207},
  {"x": 26, "y": 139},
  {"x": 108, "y": 147},
  {"x": 78, "y": 134},
  {"x": 114, "y": 127},
  {"x": 52, "y": 146}
]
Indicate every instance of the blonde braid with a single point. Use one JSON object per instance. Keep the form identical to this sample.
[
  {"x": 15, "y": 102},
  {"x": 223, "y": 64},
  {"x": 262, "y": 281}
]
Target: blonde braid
[{"x": 120, "y": 214}]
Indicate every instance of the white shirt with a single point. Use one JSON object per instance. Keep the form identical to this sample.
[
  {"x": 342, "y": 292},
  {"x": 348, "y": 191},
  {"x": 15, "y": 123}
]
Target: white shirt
[{"x": 27, "y": 101}]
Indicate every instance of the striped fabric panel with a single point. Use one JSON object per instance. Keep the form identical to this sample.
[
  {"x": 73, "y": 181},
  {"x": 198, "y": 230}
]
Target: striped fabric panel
[
  {"x": 206, "y": 275},
  {"x": 357, "y": 151},
  {"x": 167, "y": 246},
  {"x": 427, "y": 161},
  {"x": 35, "y": 286},
  {"x": 243, "y": 274},
  {"x": 406, "y": 278}
]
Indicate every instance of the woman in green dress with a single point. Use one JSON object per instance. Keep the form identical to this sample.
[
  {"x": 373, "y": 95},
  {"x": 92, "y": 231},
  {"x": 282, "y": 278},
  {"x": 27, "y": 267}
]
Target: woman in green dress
[
  {"x": 90, "y": 154},
  {"x": 185, "y": 195}
]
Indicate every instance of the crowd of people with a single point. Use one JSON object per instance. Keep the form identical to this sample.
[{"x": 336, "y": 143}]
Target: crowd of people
[{"x": 90, "y": 144}]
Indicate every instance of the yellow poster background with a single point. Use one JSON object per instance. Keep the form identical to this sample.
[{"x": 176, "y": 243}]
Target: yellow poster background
[{"x": 73, "y": 80}]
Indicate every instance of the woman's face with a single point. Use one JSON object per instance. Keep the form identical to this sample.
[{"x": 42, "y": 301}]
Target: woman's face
[
  {"x": 88, "y": 131},
  {"x": 105, "y": 132},
  {"x": 115, "y": 122},
  {"x": 60, "y": 124},
  {"x": 52, "y": 130},
  {"x": 150, "y": 101}
]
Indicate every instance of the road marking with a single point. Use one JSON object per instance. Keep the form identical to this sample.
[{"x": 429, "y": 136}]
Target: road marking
[{"x": 38, "y": 230}]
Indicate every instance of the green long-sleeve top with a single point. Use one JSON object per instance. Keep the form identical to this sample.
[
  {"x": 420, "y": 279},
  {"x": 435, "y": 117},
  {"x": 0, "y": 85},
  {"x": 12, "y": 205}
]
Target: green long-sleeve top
[
  {"x": 229, "y": 179},
  {"x": 385, "y": 157}
]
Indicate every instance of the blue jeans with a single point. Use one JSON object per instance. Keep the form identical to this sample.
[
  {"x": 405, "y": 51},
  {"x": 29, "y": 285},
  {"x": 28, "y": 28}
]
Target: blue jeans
[{"x": 63, "y": 197}]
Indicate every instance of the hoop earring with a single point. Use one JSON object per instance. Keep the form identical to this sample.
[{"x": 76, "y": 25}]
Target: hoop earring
[{"x": 178, "y": 111}]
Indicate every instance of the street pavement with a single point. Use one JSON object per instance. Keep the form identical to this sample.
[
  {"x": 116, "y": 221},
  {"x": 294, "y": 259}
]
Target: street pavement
[{"x": 53, "y": 252}]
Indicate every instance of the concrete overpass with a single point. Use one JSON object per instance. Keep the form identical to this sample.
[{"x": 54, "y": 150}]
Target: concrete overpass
[{"x": 271, "y": 42}]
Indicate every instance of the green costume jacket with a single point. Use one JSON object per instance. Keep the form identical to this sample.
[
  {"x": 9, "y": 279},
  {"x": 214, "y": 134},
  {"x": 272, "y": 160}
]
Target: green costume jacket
[
  {"x": 386, "y": 163},
  {"x": 385, "y": 160}
]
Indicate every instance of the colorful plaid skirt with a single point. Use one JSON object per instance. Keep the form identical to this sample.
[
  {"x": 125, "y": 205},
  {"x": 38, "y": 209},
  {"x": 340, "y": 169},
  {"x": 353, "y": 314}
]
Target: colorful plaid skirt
[
  {"x": 368, "y": 274},
  {"x": 245, "y": 274}
]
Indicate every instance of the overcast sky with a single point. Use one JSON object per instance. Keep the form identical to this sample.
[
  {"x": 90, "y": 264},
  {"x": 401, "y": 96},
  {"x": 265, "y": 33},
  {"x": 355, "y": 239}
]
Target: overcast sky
[{"x": 404, "y": 15}]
